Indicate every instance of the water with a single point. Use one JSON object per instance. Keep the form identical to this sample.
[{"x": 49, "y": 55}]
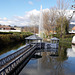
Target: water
[
  {"x": 63, "y": 64},
  {"x": 10, "y": 49}
]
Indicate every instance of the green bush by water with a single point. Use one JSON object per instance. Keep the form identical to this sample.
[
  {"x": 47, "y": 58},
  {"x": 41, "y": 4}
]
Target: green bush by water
[
  {"x": 66, "y": 39},
  {"x": 6, "y": 39}
]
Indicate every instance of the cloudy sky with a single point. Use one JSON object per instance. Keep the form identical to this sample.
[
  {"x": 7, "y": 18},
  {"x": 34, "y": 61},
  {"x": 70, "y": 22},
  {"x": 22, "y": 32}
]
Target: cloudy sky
[{"x": 17, "y": 12}]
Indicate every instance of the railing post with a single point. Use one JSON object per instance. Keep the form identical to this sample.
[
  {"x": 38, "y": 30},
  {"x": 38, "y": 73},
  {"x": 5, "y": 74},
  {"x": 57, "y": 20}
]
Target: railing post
[{"x": 14, "y": 63}]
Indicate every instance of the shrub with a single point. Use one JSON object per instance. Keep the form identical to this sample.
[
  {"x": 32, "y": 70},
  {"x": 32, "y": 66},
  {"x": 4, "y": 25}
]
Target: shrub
[{"x": 14, "y": 37}]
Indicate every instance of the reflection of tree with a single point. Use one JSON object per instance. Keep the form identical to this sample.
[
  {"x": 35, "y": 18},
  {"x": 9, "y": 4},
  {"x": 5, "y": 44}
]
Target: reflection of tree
[
  {"x": 10, "y": 47},
  {"x": 62, "y": 53},
  {"x": 45, "y": 60},
  {"x": 50, "y": 64},
  {"x": 54, "y": 65}
]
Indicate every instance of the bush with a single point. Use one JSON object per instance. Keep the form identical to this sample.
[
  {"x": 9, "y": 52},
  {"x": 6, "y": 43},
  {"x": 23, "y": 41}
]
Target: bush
[
  {"x": 14, "y": 37},
  {"x": 65, "y": 36}
]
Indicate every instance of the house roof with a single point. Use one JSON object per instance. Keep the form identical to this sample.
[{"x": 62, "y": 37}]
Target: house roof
[
  {"x": 2, "y": 26},
  {"x": 33, "y": 37},
  {"x": 73, "y": 28}
]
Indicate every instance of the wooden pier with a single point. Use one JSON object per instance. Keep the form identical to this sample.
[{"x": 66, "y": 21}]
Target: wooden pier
[{"x": 9, "y": 63}]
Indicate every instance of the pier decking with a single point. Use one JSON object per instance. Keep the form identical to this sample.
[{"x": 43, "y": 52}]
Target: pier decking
[{"x": 9, "y": 63}]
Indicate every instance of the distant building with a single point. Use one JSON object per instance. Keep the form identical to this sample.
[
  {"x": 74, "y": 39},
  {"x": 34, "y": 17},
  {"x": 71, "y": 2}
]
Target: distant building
[
  {"x": 73, "y": 30},
  {"x": 4, "y": 28},
  {"x": 53, "y": 32},
  {"x": 72, "y": 27},
  {"x": 18, "y": 28}
]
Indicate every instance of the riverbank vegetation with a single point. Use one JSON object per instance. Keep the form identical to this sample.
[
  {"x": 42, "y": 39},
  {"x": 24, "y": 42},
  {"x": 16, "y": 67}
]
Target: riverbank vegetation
[
  {"x": 66, "y": 39},
  {"x": 12, "y": 37},
  {"x": 56, "y": 23}
]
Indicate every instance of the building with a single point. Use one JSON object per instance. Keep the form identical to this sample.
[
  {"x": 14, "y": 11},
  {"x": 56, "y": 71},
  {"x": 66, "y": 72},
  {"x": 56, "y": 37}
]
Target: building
[
  {"x": 53, "y": 32},
  {"x": 5, "y": 28},
  {"x": 18, "y": 28},
  {"x": 73, "y": 30}
]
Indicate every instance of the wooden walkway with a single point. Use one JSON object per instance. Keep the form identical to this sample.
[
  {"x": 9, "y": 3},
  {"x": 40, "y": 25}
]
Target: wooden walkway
[{"x": 9, "y": 63}]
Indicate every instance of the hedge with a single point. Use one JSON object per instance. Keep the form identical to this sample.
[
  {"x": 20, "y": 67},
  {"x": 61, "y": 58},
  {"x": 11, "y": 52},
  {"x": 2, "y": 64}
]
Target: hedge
[{"x": 6, "y": 39}]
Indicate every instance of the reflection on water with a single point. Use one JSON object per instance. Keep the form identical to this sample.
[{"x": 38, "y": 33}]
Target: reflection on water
[
  {"x": 70, "y": 52},
  {"x": 73, "y": 48},
  {"x": 63, "y": 64},
  {"x": 10, "y": 49}
]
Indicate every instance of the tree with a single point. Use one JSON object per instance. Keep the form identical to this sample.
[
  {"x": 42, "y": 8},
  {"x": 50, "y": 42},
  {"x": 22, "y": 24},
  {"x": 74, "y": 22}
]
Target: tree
[
  {"x": 46, "y": 23},
  {"x": 62, "y": 22},
  {"x": 34, "y": 21},
  {"x": 53, "y": 17},
  {"x": 65, "y": 26},
  {"x": 49, "y": 21}
]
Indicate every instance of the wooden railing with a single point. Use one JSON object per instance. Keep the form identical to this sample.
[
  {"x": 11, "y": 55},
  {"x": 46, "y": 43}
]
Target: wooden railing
[
  {"x": 7, "y": 69},
  {"x": 8, "y": 58}
]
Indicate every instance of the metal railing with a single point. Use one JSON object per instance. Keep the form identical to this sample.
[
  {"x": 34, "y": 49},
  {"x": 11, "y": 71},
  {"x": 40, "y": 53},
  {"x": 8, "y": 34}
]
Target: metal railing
[
  {"x": 6, "y": 70},
  {"x": 8, "y": 58},
  {"x": 38, "y": 45}
]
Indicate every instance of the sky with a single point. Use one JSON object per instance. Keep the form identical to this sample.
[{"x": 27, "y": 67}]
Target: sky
[
  {"x": 17, "y": 12},
  {"x": 10, "y": 8}
]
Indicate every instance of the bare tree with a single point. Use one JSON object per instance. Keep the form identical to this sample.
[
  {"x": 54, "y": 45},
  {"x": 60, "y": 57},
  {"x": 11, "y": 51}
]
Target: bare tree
[
  {"x": 56, "y": 13},
  {"x": 34, "y": 21},
  {"x": 46, "y": 23},
  {"x": 62, "y": 6},
  {"x": 53, "y": 17},
  {"x": 49, "y": 21}
]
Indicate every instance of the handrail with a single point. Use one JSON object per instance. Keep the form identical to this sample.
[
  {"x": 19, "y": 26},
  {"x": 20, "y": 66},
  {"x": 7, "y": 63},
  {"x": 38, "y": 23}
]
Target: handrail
[
  {"x": 8, "y": 58},
  {"x": 15, "y": 62}
]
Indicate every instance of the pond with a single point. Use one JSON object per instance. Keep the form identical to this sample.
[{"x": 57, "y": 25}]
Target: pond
[
  {"x": 10, "y": 49},
  {"x": 47, "y": 64},
  {"x": 62, "y": 63}
]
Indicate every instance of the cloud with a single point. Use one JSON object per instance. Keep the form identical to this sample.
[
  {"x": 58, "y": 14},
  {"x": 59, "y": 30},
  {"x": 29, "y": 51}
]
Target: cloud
[
  {"x": 20, "y": 20},
  {"x": 5, "y": 18},
  {"x": 30, "y": 2},
  {"x": 35, "y": 12},
  {"x": 6, "y": 22},
  {"x": 25, "y": 20}
]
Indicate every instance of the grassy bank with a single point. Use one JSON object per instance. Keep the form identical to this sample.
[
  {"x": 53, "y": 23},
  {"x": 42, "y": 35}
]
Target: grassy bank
[{"x": 10, "y": 38}]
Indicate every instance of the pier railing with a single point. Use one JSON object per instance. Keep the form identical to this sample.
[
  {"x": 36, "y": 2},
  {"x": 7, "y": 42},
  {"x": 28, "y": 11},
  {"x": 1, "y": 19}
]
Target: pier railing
[
  {"x": 7, "y": 69},
  {"x": 8, "y": 58}
]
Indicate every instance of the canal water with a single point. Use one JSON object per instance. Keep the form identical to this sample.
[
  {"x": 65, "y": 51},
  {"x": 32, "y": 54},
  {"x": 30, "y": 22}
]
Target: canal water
[
  {"x": 59, "y": 61},
  {"x": 47, "y": 63},
  {"x": 5, "y": 51}
]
